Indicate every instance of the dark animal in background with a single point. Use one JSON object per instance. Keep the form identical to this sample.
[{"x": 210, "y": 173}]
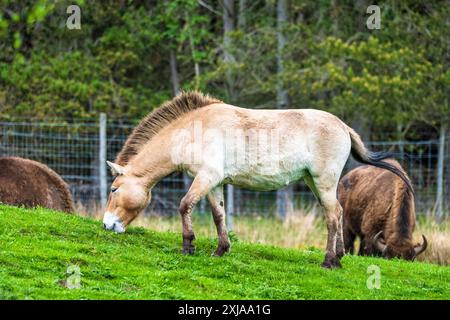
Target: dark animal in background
[
  {"x": 379, "y": 209},
  {"x": 29, "y": 183}
]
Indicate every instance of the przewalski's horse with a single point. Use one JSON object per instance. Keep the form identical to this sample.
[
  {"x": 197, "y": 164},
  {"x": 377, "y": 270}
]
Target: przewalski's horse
[
  {"x": 218, "y": 143},
  {"x": 379, "y": 209},
  {"x": 31, "y": 184}
]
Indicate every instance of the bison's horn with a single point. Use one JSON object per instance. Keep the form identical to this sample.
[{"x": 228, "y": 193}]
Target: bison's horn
[
  {"x": 377, "y": 241},
  {"x": 422, "y": 247}
]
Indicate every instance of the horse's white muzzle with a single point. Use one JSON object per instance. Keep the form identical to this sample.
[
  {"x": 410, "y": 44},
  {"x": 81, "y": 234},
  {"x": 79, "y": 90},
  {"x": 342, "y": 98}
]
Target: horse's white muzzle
[{"x": 113, "y": 223}]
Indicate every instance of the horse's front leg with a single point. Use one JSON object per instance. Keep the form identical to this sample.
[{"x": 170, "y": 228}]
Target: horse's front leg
[
  {"x": 217, "y": 203},
  {"x": 201, "y": 185}
]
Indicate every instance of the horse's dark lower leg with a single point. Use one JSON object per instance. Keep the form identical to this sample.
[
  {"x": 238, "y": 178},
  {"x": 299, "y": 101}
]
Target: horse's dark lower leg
[
  {"x": 224, "y": 243},
  {"x": 325, "y": 192},
  {"x": 186, "y": 206},
  {"x": 331, "y": 258},
  {"x": 217, "y": 203},
  {"x": 188, "y": 246},
  {"x": 334, "y": 212}
]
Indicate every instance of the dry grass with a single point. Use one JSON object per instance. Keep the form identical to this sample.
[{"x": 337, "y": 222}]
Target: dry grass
[
  {"x": 302, "y": 229},
  {"x": 438, "y": 236}
]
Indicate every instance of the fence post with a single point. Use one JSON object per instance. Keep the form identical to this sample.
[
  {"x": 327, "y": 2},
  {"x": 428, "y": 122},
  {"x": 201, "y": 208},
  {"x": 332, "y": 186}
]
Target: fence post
[
  {"x": 230, "y": 207},
  {"x": 285, "y": 204},
  {"x": 102, "y": 159},
  {"x": 440, "y": 174}
]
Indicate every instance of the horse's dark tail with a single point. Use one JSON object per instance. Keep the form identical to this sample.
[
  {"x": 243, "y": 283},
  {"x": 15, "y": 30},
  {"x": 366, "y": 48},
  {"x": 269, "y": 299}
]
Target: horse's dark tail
[{"x": 361, "y": 154}]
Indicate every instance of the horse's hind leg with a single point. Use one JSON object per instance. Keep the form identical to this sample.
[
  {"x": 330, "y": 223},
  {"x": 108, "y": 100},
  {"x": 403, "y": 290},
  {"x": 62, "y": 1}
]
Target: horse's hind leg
[
  {"x": 216, "y": 201},
  {"x": 201, "y": 185},
  {"x": 324, "y": 187},
  {"x": 335, "y": 248}
]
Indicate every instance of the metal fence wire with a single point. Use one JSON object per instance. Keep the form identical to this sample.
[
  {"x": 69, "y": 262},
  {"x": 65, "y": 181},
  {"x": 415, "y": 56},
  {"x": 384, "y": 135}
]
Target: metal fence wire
[{"x": 73, "y": 151}]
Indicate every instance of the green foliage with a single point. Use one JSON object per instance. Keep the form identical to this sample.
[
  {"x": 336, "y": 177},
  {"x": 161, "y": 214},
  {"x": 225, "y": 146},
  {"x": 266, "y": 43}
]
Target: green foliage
[
  {"x": 387, "y": 79},
  {"x": 39, "y": 245},
  {"x": 69, "y": 85},
  {"x": 374, "y": 80}
]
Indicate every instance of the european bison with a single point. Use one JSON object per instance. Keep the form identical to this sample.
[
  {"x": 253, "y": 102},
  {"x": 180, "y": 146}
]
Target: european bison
[
  {"x": 379, "y": 209},
  {"x": 30, "y": 183}
]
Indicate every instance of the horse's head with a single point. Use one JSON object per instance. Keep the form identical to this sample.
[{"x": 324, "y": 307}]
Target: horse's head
[{"x": 128, "y": 197}]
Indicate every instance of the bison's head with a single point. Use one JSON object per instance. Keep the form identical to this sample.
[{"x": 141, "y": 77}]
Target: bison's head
[{"x": 406, "y": 251}]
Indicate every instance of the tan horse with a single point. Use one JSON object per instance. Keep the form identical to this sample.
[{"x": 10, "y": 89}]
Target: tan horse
[{"x": 217, "y": 143}]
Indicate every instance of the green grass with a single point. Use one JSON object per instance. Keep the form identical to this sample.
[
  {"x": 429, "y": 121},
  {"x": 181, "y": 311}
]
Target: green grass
[{"x": 37, "y": 247}]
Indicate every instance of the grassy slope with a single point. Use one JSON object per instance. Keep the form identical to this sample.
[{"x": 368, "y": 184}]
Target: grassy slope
[{"x": 37, "y": 246}]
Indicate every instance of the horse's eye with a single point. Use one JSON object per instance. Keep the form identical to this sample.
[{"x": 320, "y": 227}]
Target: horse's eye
[{"x": 114, "y": 189}]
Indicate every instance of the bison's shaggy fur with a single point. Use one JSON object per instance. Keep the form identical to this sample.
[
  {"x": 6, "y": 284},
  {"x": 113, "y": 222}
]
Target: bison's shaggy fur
[
  {"x": 30, "y": 184},
  {"x": 379, "y": 209}
]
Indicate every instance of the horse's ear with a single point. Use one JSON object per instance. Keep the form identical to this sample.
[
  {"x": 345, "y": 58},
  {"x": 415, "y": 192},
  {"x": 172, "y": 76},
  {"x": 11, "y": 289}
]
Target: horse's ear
[{"x": 116, "y": 170}]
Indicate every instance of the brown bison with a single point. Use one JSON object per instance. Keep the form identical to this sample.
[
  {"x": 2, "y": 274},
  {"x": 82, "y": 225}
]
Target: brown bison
[
  {"x": 379, "y": 209},
  {"x": 30, "y": 183}
]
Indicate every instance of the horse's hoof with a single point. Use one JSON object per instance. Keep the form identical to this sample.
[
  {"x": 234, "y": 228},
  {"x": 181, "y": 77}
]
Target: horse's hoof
[
  {"x": 331, "y": 263},
  {"x": 221, "y": 250},
  {"x": 188, "y": 250}
]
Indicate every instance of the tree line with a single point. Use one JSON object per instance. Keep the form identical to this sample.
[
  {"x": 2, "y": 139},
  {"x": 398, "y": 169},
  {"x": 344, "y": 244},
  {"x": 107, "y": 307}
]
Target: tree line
[{"x": 130, "y": 56}]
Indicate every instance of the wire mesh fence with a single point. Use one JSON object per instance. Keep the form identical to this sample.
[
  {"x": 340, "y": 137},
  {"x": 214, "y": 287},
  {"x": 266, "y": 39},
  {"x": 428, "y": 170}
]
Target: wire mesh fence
[{"x": 72, "y": 150}]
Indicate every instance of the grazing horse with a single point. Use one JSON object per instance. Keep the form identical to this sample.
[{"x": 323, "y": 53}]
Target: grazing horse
[
  {"x": 379, "y": 209},
  {"x": 29, "y": 183},
  {"x": 217, "y": 143}
]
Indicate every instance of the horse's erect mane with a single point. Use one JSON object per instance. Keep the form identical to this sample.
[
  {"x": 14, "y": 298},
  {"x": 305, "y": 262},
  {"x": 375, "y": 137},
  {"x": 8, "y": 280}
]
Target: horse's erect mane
[{"x": 159, "y": 118}]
